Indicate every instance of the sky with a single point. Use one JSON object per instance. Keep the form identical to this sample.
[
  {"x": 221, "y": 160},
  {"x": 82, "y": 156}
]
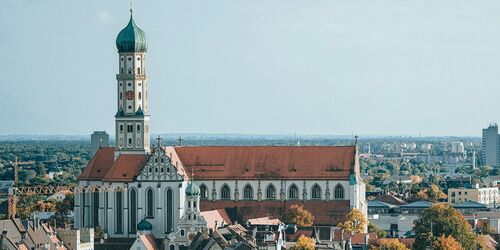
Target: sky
[{"x": 385, "y": 67}]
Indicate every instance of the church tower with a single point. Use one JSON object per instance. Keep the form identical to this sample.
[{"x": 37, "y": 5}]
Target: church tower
[{"x": 132, "y": 119}]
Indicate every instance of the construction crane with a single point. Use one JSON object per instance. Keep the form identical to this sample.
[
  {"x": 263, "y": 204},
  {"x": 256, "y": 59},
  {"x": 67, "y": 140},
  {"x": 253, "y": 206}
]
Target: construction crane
[{"x": 16, "y": 165}]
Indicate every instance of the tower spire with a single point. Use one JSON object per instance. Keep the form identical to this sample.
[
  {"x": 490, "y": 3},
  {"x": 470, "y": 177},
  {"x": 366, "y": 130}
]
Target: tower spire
[{"x": 131, "y": 7}]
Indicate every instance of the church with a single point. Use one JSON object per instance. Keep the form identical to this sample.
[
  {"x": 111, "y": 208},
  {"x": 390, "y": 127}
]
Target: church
[{"x": 137, "y": 186}]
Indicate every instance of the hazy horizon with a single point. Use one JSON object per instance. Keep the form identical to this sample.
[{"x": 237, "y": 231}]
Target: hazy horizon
[{"x": 261, "y": 67}]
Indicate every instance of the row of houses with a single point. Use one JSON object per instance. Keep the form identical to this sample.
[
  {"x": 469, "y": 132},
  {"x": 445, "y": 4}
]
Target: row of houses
[{"x": 397, "y": 217}]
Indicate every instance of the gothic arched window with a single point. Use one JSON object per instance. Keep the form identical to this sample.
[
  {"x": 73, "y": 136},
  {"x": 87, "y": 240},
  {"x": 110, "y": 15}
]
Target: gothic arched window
[
  {"x": 339, "y": 192},
  {"x": 225, "y": 192},
  {"x": 119, "y": 211},
  {"x": 170, "y": 210},
  {"x": 133, "y": 210},
  {"x": 271, "y": 192},
  {"x": 316, "y": 192},
  {"x": 248, "y": 192},
  {"x": 203, "y": 192},
  {"x": 293, "y": 192},
  {"x": 150, "y": 203}
]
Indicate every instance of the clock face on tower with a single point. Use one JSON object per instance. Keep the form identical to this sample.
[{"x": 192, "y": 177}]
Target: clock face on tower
[{"x": 129, "y": 95}]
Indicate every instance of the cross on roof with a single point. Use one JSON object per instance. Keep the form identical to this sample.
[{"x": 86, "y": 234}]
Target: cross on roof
[
  {"x": 179, "y": 141},
  {"x": 159, "y": 140}
]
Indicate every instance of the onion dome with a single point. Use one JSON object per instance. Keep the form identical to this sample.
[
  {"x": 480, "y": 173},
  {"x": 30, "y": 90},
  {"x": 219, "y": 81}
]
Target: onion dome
[
  {"x": 131, "y": 38},
  {"x": 144, "y": 225},
  {"x": 192, "y": 189}
]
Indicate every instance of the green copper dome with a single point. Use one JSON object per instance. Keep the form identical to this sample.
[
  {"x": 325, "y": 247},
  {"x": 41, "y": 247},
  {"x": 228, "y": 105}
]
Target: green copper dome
[
  {"x": 131, "y": 38},
  {"x": 192, "y": 189},
  {"x": 144, "y": 225}
]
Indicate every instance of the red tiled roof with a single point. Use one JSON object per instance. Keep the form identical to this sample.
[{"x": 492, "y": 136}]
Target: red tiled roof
[
  {"x": 233, "y": 162},
  {"x": 103, "y": 166},
  {"x": 268, "y": 162},
  {"x": 149, "y": 241},
  {"x": 126, "y": 167},
  {"x": 324, "y": 212},
  {"x": 218, "y": 216},
  {"x": 99, "y": 165}
]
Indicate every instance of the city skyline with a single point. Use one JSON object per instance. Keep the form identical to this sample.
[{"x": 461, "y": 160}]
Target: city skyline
[{"x": 226, "y": 67}]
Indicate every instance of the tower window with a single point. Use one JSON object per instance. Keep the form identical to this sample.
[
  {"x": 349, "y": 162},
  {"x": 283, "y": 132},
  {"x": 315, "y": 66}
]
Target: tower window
[
  {"x": 129, "y": 141},
  {"x": 138, "y": 70},
  {"x": 138, "y": 128},
  {"x": 129, "y": 70},
  {"x": 121, "y": 71},
  {"x": 121, "y": 128},
  {"x": 130, "y": 59},
  {"x": 138, "y": 58},
  {"x": 129, "y": 84},
  {"x": 140, "y": 95},
  {"x": 121, "y": 95},
  {"x": 130, "y": 128}
]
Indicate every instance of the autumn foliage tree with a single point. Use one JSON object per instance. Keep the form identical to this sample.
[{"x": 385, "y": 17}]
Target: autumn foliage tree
[
  {"x": 445, "y": 221},
  {"x": 433, "y": 193},
  {"x": 299, "y": 216},
  {"x": 304, "y": 243},
  {"x": 446, "y": 243},
  {"x": 355, "y": 222},
  {"x": 389, "y": 244}
]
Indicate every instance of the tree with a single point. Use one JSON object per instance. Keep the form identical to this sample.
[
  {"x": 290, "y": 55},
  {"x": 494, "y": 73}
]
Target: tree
[
  {"x": 355, "y": 222},
  {"x": 40, "y": 170},
  {"x": 433, "y": 194},
  {"x": 299, "y": 216},
  {"x": 389, "y": 244},
  {"x": 487, "y": 229},
  {"x": 443, "y": 221},
  {"x": 372, "y": 228},
  {"x": 446, "y": 243},
  {"x": 304, "y": 243}
]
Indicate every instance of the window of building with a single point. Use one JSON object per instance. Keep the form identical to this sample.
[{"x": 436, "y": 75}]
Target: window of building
[
  {"x": 339, "y": 192},
  {"x": 139, "y": 70},
  {"x": 170, "y": 210},
  {"x": 271, "y": 192},
  {"x": 133, "y": 211},
  {"x": 225, "y": 193},
  {"x": 248, "y": 192},
  {"x": 316, "y": 192},
  {"x": 138, "y": 128},
  {"x": 130, "y": 128},
  {"x": 293, "y": 192},
  {"x": 121, "y": 128},
  {"x": 194, "y": 204},
  {"x": 150, "y": 203},
  {"x": 119, "y": 212},
  {"x": 129, "y": 141},
  {"x": 203, "y": 192}
]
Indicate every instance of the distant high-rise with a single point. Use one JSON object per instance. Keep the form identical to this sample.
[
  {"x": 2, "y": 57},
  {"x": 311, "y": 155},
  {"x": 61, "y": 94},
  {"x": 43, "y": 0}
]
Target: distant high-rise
[
  {"x": 491, "y": 146},
  {"x": 99, "y": 139}
]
